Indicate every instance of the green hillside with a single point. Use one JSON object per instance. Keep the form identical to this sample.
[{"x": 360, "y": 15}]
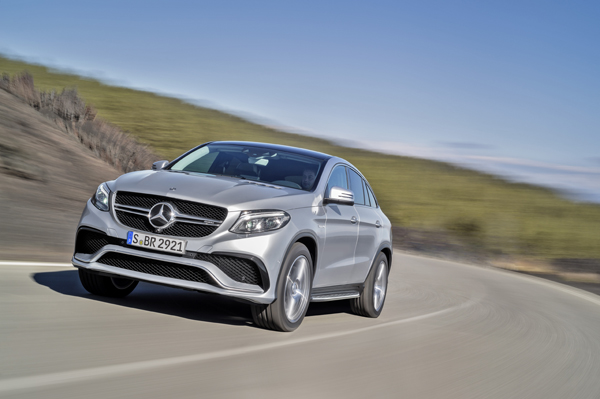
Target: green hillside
[{"x": 481, "y": 210}]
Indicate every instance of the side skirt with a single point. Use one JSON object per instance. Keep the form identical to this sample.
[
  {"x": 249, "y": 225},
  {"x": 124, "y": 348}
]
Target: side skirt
[{"x": 337, "y": 292}]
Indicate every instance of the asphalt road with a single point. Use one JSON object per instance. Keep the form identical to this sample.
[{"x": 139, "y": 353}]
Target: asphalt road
[{"x": 447, "y": 331}]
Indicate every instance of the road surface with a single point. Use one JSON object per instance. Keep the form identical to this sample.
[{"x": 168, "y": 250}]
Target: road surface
[{"x": 447, "y": 331}]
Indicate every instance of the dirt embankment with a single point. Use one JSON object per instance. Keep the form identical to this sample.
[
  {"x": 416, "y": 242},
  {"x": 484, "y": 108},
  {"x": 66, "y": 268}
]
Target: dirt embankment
[
  {"x": 53, "y": 154},
  {"x": 45, "y": 178}
]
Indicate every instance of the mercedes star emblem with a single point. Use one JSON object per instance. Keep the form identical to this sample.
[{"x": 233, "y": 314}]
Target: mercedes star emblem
[{"x": 161, "y": 215}]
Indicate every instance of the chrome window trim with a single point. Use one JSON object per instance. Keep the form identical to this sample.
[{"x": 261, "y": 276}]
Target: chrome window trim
[
  {"x": 362, "y": 178},
  {"x": 374, "y": 197}
]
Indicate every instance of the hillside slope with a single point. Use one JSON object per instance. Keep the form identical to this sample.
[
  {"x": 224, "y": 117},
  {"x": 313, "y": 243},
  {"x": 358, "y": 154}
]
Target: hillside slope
[
  {"x": 46, "y": 176},
  {"x": 429, "y": 201}
]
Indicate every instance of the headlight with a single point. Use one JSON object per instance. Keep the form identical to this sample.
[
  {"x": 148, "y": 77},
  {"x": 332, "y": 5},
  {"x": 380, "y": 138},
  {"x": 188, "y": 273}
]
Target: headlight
[
  {"x": 260, "y": 221},
  {"x": 100, "y": 199}
]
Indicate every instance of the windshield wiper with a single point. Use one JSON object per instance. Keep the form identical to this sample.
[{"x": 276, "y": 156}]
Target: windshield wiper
[{"x": 232, "y": 176}]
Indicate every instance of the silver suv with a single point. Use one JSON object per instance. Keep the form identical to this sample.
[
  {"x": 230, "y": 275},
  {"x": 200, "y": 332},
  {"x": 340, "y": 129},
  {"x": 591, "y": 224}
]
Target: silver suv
[{"x": 275, "y": 226}]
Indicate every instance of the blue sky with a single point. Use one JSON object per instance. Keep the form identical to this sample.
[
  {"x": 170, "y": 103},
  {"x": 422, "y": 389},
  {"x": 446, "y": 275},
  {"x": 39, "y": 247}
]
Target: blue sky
[{"x": 511, "y": 87}]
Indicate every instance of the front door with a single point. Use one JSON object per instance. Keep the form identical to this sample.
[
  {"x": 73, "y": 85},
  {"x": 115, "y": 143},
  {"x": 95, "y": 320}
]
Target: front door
[
  {"x": 341, "y": 233},
  {"x": 368, "y": 229}
]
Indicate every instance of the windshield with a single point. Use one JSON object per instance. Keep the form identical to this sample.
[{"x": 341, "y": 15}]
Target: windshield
[{"x": 253, "y": 163}]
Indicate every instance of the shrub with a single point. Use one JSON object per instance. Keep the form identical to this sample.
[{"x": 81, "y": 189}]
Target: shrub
[{"x": 105, "y": 140}]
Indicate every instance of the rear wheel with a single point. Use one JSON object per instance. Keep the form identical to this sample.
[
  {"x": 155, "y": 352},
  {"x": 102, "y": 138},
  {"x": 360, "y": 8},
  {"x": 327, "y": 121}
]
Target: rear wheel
[
  {"x": 370, "y": 303},
  {"x": 115, "y": 287},
  {"x": 293, "y": 293}
]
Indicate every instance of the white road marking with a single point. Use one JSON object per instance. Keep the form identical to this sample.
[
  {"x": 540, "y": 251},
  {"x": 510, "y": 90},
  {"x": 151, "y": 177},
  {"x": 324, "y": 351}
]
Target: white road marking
[
  {"x": 46, "y": 264},
  {"x": 74, "y": 376}
]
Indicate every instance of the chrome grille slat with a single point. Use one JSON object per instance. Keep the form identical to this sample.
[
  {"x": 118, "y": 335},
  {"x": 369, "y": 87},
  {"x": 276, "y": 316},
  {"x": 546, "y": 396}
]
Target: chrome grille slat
[
  {"x": 176, "y": 229},
  {"x": 179, "y": 217},
  {"x": 183, "y": 206},
  {"x": 197, "y": 220},
  {"x": 132, "y": 209},
  {"x": 192, "y": 219}
]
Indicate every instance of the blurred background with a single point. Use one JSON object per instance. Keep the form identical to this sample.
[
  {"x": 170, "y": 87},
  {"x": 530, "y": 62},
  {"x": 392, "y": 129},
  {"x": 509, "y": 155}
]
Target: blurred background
[{"x": 475, "y": 123}]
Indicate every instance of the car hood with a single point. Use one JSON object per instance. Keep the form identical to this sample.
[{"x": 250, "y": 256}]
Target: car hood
[{"x": 231, "y": 193}]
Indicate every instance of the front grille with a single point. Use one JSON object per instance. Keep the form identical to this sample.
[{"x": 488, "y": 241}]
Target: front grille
[
  {"x": 187, "y": 207},
  {"x": 157, "y": 267},
  {"x": 90, "y": 241},
  {"x": 238, "y": 269},
  {"x": 177, "y": 229}
]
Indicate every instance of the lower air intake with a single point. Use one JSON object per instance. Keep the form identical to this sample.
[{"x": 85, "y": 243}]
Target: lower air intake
[
  {"x": 157, "y": 267},
  {"x": 90, "y": 241},
  {"x": 238, "y": 269}
]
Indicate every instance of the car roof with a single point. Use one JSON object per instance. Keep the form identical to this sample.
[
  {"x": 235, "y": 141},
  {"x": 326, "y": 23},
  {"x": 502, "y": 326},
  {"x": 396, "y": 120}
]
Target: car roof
[{"x": 277, "y": 147}]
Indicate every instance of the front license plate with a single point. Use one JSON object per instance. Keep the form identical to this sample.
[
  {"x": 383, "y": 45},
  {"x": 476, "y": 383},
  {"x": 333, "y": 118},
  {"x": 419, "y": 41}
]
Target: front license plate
[{"x": 156, "y": 242}]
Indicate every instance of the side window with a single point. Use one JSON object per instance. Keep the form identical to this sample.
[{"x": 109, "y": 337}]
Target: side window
[
  {"x": 356, "y": 187},
  {"x": 337, "y": 179},
  {"x": 367, "y": 199},
  {"x": 372, "y": 197}
]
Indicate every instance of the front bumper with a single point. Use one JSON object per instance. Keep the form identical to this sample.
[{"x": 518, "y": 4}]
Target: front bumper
[
  {"x": 158, "y": 266},
  {"x": 200, "y": 266}
]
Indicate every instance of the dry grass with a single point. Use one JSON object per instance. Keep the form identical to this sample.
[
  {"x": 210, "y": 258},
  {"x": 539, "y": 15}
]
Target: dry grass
[
  {"x": 439, "y": 206},
  {"x": 105, "y": 140}
]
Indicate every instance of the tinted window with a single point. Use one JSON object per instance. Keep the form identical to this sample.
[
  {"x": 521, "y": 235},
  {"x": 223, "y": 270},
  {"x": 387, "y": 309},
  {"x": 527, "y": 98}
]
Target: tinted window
[
  {"x": 372, "y": 197},
  {"x": 337, "y": 179},
  {"x": 367, "y": 201},
  {"x": 356, "y": 187},
  {"x": 253, "y": 163}
]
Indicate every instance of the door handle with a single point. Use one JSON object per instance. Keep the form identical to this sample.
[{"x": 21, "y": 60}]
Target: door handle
[
  {"x": 377, "y": 224},
  {"x": 353, "y": 220}
]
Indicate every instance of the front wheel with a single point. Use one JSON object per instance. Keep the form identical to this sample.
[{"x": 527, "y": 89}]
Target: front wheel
[
  {"x": 293, "y": 292},
  {"x": 106, "y": 286},
  {"x": 370, "y": 303}
]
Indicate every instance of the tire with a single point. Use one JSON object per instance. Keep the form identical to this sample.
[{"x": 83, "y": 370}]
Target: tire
[
  {"x": 114, "y": 287},
  {"x": 293, "y": 291},
  {"x": 371, "y": 300}
]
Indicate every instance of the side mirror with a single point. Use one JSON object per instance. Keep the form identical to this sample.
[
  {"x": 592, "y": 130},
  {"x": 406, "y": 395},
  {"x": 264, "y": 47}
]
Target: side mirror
[
  {"x": 339, "y": 196},
  {"x": 158, "y": 165}
]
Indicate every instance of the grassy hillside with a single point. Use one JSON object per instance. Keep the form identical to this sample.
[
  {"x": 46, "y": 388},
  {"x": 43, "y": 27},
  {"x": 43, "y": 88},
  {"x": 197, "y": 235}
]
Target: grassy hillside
[{"x": 481, "y": 210}]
